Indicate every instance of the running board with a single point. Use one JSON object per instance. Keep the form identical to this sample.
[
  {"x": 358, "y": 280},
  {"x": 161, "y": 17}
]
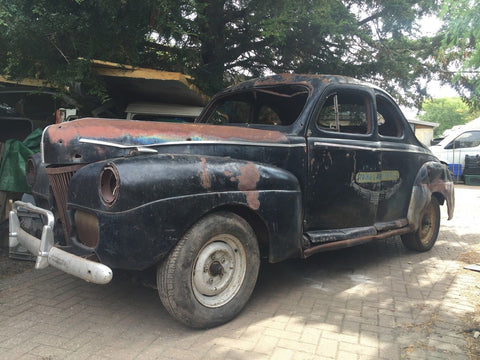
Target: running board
[{"x": 341, "y": 244}]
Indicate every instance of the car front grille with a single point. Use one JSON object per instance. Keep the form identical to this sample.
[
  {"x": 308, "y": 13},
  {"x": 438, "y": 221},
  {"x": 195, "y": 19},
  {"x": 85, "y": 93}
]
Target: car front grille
[{"x": 59, "y": 178}]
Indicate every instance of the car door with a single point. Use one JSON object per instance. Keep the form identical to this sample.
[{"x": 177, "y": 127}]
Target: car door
[
  {"x": 402, "y": 157},
  {"x": 343, "y": 166}
]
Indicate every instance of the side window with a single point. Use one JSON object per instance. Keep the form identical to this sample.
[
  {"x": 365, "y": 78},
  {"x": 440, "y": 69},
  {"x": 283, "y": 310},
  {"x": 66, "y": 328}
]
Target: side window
[
  {"x": 345, "y": 113},
  {"x": 268, "y": 116},
  {"x": 230, "y": 112},
  {"x": 388, "y": 118},
  {"x": 466, "y": 140}
]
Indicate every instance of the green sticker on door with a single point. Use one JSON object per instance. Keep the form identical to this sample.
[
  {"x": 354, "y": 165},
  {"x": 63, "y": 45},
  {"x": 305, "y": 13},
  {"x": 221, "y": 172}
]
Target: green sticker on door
[{"x": 377, "y": 176}]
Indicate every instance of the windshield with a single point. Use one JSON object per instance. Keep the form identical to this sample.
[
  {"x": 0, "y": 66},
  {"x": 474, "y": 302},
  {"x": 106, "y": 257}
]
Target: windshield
[{"x": 279, "y": 105}]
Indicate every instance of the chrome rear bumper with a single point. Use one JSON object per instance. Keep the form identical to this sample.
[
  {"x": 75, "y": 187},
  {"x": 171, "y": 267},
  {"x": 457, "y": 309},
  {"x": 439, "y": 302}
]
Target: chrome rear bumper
[{"x": 48, "y": 254}]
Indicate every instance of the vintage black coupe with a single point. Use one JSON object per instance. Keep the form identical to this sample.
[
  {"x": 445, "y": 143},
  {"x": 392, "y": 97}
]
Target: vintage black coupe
[{"x": 278, "y": 167}]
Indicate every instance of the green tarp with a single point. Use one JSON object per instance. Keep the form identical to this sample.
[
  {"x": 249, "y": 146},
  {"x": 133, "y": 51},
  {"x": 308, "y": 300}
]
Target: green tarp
[{"x": 14, "y": 159}]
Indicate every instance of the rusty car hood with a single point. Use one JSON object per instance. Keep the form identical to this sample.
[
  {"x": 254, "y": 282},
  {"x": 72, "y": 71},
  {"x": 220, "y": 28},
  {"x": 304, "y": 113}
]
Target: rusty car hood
[{"x": 90, "y": 139}]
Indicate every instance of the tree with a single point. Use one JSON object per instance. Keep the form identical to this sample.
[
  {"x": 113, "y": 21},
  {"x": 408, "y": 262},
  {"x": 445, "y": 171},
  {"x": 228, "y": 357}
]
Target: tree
[
  {"x": 227, "y": 39},
  {"x": 447, "y": 112},
  {"x": 55, "y": 40},
  {"x": 219, "y": 41},
  {"x": 459, "y": 53}
]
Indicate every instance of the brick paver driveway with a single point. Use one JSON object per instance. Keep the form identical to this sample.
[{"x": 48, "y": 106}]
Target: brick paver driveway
[{"x": 376, "y": 301}]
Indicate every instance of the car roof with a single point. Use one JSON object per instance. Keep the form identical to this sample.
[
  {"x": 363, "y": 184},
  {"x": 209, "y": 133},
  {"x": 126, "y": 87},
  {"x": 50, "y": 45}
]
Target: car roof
[
  {"x": 472, "y": 125},
  {"x": 309, "y": 80}
]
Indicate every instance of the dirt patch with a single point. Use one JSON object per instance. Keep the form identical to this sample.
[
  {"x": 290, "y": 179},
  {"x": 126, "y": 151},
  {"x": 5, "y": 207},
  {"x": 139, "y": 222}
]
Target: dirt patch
[
  {"x": 471, "y": 257},
  {"x": 470, "y": 329},
  {"x": 472, "y": 335},
  {"x": 10, "y": 267}
]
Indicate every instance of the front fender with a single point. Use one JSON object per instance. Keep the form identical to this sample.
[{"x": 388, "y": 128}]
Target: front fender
[
  {"x": 433, "y": 177},
  {"x": 162, "y": 196},
  {"x": 145, "y": 179}
]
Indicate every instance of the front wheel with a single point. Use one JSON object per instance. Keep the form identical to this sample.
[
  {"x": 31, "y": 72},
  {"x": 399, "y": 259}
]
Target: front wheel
[
  {"x": 210, "y": 274},
  {"x": 424, "y": 238}
]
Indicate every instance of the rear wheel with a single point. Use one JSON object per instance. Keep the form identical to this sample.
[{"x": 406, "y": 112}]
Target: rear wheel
[
  {"x": 210, "y": 274},
  {"x": 424, "y": 238}
]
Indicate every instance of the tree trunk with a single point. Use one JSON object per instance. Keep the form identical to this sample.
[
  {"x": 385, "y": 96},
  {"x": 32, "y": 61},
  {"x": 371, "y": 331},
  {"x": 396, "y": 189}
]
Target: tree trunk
[{"x": 211, "y": 24}]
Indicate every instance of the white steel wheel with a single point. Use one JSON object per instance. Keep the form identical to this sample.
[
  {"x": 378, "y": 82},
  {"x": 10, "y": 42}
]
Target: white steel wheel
[
  {"x": 219, "y": 270},
  {"x": 208, "y": 277}
]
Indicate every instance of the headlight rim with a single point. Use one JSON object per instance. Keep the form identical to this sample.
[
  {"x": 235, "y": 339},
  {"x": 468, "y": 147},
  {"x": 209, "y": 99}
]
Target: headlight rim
[{"x": 109, "y": 185}]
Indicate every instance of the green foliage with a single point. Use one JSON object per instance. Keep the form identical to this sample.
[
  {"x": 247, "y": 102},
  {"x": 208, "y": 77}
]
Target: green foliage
[
  {"x": 447, "y": 112},
  {"x": 226, "y": 40},
  {"x": 459, "y": 53},
  {"x": 219, "y": 41},
  {"x": 55, "y": 39}
]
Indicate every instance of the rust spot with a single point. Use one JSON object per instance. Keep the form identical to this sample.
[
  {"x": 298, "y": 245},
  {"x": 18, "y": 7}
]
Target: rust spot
[
  {"x": 326, "y": 161},
  {"x": 206, "y": 183},
  {"x": 87, "y": 228},
  {"x": 228, "y": 173},
  {"x": 147, "y": 132},
  {"x": 247, "y": 183}
]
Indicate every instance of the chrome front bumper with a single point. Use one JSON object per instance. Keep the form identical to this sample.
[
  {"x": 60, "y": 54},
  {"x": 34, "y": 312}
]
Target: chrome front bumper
[{"x": 48, "y": 254}]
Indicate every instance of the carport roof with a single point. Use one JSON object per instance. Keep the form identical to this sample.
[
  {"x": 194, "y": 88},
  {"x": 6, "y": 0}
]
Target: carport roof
[
  {"x": 423, "y": 123},
  {"x": 130, "y": 84}
]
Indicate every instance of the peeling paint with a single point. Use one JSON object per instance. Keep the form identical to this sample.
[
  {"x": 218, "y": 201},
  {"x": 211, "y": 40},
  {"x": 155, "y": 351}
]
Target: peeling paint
[
  {"x": 206, "y": 183},
  {"x": 376, "y": 194},
  {"x": 73, "y": 147},
  {"x": 247, "y": 183},
  {"x": 431, "y": 178},
  {"x": 148, "y": 132}
]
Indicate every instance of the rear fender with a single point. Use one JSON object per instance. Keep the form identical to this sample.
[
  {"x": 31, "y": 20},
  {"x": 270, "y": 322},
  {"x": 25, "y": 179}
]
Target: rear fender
[{"x": 432, "y": 178}]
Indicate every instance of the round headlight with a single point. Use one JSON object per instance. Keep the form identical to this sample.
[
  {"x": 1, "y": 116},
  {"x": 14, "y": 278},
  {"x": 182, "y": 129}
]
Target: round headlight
[
  {"x": 109, "y": 184},
  {"x": 30, "y": 171}
]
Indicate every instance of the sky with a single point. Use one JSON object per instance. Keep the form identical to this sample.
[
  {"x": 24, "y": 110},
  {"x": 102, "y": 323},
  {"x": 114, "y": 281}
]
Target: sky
[
  {"x": 430, "y": 25},
  {"x": 436, "y": 90}
]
